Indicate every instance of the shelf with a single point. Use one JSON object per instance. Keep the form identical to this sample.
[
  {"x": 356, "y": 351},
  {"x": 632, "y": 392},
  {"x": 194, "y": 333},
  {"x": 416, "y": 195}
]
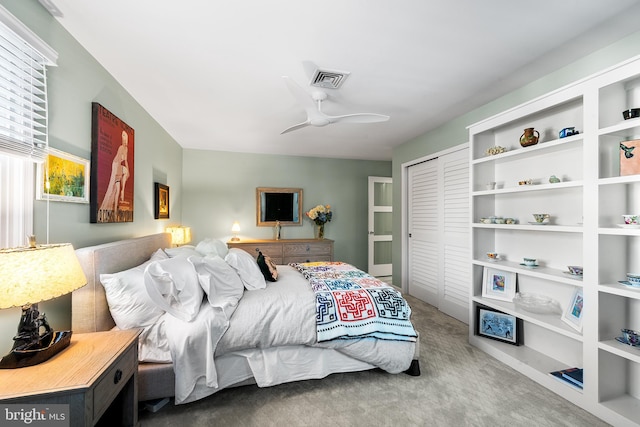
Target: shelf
[
  {"x": 551, "y": 322},
  {"x": 546, "y": 147},
  {"x": 541, "y": 272},
  {"x": 525, "y": 188},
  {"x": 625, "y": 406},
  {"x": 621, "y": 129},
  {"x": 629, "y": 179},
  {"x": 529, "y": 227},
  {"x": 618, "y": 231},
  {"x": 620, "y": 290},
  {"x": 623, "y": 350}
]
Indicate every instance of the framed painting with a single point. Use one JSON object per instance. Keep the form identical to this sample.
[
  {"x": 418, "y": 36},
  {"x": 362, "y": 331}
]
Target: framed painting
[
  {"x": 498, "y": 284},
  {"x": 630, "y": 157},
  {"x": 161, "y": 201},
  {"x": 63, "y": 178},
  {"x": 112, "y": 167},
  {"x": 497, "y": 325},
  {"x": 573, "y": 313}
]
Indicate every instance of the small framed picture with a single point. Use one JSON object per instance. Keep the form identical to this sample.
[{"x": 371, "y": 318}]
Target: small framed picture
[
  {"x": 499, "y": 326},
  {"x": 161, "y": 210},
  {"x": 63, "y": 178},
  {"x": 573, "y": 313},
  {"x": 498, "y": 284}
]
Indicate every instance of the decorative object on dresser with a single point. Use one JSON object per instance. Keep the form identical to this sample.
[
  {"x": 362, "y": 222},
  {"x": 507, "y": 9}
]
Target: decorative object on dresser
[
  {"x": 235, "y": 229},
  {"x": 320, "y": 215},
  {"x": 28, "y": 276},
  {"x": 278, "y": 204},
  {"x": 285, "y": 251}
]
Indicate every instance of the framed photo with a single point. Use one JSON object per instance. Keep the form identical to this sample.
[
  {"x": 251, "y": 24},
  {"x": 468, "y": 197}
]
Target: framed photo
[
  {"x": 112, "y": 166},
  {"x": 630, "y": 157},
  {"x": 497, "y": 325},
  {"x": 573, "y": 313},
  {"x": 67, "y": 177},
  {"x": 161, "y": 199},
  {"x": 498, "y": 284}
]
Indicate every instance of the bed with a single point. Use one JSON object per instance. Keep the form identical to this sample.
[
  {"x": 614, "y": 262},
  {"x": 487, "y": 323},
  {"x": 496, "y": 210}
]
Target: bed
[{"x": 246, "y": 358}]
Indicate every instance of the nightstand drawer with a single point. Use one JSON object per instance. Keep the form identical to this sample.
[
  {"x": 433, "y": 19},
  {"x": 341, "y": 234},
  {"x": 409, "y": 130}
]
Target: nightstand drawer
[
  {"x": 302, "y": 249},
  {"x": 113, "y": 381}
]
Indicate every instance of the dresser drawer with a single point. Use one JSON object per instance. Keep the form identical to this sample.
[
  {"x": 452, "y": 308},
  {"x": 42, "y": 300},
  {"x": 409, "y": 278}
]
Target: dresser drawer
[
  {"x": 113, "y": 381},
  {"x": 302, "y": 249},
  {"x": 268, "y": 249},
  {"x": 310, "y": 258}
]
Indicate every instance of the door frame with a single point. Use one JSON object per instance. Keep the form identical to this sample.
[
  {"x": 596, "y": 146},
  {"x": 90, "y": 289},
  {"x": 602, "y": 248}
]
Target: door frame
[
  {"x": 371, "y": 237},
  {"x": 404, "y": 196}
]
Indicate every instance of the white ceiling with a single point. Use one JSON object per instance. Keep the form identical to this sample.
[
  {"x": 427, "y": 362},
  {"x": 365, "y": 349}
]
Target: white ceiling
[{"x": 210, "y": 72}]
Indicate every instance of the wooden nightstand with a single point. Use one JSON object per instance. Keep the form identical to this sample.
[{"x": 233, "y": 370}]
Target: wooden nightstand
[{"x": 96, "y": 375}]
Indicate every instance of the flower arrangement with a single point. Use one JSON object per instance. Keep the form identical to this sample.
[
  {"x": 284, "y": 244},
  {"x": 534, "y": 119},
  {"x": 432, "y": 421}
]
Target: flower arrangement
[{"x": 321, "y": 214}]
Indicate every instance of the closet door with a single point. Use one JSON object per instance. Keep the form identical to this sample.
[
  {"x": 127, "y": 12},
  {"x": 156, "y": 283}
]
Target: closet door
[{"x": 438, "y": 223}]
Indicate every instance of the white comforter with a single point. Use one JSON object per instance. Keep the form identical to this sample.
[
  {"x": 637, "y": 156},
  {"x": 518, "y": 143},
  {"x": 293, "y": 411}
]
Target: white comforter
[{"x": 282, "y": 314}]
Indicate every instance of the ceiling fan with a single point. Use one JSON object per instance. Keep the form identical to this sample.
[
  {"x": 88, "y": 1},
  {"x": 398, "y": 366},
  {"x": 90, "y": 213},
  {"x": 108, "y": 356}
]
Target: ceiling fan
[{"x": 312, "y": 104}]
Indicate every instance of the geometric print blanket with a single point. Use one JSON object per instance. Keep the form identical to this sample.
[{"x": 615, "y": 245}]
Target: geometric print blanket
[{"x": 353, "y": 304}]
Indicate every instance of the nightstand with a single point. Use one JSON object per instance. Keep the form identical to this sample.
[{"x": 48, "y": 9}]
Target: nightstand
[{"x": 96, "y": 376}]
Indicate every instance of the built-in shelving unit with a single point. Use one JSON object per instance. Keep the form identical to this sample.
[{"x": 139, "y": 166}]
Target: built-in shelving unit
[{"x": 586, "y": 210}]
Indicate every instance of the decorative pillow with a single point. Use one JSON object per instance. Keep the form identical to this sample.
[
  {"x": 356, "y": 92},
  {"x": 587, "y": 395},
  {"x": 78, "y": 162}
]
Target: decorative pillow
[
  {"x": 173, "y": 285},
  {"x": 247, "y": 269},
  {"x": 220, "y": 282},
  {"x": 127, "y": 297},
  {"x": 182, "y": 251},
  {"x": 267, "y": 267},
  {"x": 212, "y": 247}
]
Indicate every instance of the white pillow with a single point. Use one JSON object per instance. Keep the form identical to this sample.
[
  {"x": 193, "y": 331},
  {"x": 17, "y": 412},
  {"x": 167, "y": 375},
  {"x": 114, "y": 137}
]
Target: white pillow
[
  {"x": 213, "y": 247},
  {"x": 220, "y": 282},
  {"x": 182, "y": 251},
  {"x": 173, "y": 285},
  {"x": 247, "y": 268},
  {"x": 127, "y": 297}
]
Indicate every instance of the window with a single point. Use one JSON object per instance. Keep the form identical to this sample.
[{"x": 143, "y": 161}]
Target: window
[{"x": 23, "y": 124}]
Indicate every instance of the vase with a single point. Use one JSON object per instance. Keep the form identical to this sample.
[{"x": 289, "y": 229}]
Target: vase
[
  {"x": 528, "y": 138},
  {"x": 319, "y": 231}
]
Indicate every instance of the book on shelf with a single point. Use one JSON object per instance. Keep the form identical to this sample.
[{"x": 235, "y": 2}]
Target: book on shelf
[{"x": 570, "y": 376}]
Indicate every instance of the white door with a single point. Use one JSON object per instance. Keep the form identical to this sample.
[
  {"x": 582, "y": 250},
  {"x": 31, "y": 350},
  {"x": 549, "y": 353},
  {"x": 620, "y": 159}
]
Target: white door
[
  {"x": 380, "y": 225},
  {"x": 438, "y": 224}
]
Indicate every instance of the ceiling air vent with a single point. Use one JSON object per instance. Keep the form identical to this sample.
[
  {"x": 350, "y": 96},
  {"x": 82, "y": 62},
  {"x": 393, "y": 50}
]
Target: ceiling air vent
[{"x": 328, "y": 79}]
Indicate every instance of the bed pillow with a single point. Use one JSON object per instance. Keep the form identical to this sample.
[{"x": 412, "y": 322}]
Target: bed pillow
[
  {"x": 220, "y": 282},
  {"x": 128, "y": 300},
  {"x": 182, "y": 251},
  {"x": 247, "y": 268},
  {"x": 172, "y": 284},
  {"x": 267, "y": 267},
  {"x": 212, "y": 247}
]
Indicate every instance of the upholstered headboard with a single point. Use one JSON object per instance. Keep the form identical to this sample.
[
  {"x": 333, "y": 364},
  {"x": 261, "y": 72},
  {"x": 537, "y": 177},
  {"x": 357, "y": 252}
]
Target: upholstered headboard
[{"x": 89, "y": 309}]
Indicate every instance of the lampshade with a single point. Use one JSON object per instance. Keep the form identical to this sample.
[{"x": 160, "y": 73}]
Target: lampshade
[
  {"x": 235, "y": 227},
  {"x": 180, "y": 235},
  {"x": 32, "y": 275}
]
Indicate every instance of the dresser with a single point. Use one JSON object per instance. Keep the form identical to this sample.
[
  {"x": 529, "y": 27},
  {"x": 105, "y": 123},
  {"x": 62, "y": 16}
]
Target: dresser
[{"x": 285, "y": 251}]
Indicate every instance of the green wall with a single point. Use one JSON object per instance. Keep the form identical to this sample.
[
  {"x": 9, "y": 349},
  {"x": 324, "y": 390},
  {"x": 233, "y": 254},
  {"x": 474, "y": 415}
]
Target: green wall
[
  {"x": 220, "y": 188},
  {"x": 455, "y": 131}
]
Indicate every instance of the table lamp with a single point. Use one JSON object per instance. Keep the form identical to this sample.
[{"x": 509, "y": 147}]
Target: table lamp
[
  {"x": 235, "y": 229},
  {"x": 28, "y": 276},
  {"x": 180, "y": 235}
]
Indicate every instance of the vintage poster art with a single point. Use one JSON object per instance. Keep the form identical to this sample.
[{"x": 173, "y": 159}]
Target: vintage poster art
[
  {"x": 112, "y": 166},
  {"x": 63, "y": 178}
]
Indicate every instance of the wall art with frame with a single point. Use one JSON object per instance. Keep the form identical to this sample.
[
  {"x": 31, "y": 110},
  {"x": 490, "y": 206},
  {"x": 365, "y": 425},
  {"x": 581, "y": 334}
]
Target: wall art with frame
[
  {"x": 499, "y": 326},
  {"x": 161, "y": 201},
  {"x": 67, "y": 177},
  {"x": 112, "y": 167},
  {"x": 574, "y": 312},
  {"x": 498, "y": 284}
]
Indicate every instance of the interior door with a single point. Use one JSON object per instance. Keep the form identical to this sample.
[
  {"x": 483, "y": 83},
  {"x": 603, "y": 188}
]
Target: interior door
[{"x": 380, "y": 226}]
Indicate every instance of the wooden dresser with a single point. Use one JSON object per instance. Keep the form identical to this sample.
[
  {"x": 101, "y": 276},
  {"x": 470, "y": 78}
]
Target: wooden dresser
[{"x": 284, "y": 251}]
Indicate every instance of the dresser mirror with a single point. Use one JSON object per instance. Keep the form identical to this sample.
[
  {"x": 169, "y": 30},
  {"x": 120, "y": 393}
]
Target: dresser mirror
[{"x": 278, "y": 204}]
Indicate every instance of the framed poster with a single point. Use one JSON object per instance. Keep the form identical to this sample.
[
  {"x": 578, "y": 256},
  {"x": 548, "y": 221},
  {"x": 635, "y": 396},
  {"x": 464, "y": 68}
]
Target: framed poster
[
  {"x": 498, "y": 284},
  {"x": 112, "y": 166},
  {"x": 630, "y": 157},
  {"x": 63, "y": 178},
  {"x": 161, "y": 201},
  {"x": 573, "y": 313},
  {"x": 497, "y": 325}
]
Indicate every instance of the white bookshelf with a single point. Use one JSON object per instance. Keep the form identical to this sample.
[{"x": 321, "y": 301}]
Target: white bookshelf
[{"x": 586, "y": 208}]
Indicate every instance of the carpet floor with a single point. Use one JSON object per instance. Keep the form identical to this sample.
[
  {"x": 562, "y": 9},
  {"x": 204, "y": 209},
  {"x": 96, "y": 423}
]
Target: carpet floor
[{"x": 459, "y": 386}]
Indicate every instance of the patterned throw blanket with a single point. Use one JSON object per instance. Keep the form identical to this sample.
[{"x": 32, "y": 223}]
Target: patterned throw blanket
[{"x": 353, "y": 304}]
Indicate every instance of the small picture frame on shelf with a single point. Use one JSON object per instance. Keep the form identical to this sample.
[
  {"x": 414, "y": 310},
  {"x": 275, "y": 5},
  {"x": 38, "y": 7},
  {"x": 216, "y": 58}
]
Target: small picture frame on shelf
[
  {"x": 573, "y": 313},
  {"x": 498, "y": 284},
  {"x": 496, "y": 325}
]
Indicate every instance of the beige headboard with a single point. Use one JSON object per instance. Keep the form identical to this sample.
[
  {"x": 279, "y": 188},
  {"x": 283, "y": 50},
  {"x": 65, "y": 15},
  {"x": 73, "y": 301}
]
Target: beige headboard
[{"x": 89, "y": 309}]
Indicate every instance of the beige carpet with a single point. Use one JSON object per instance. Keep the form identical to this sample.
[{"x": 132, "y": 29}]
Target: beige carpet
[{"x": 459, "y": 386}]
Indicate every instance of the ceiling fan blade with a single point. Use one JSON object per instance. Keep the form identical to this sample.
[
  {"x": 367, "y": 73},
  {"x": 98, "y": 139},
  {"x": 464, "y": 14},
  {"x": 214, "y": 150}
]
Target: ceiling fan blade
[
  {"x": 296, "y": 127},
  {"x": 359, "y": 118}
]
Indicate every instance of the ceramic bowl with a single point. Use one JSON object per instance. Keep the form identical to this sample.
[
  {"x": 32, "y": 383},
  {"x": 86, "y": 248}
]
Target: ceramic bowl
[
  {"x": 486, "y": 220},
  {"x": 631, "y": 113},
  {"x": 500, "y": 220},
  {"x": 630, "y": 219},
  {"x": 575, "y": 270},
  {"x": 541, "y": 218},
  {"x": 631, "y": 336},
  {"x": 633, "y": 278},
  {"x": 530, "y": 262},
  {"x": 492, "y": 255},
  {"x": 510, "y": 221}
]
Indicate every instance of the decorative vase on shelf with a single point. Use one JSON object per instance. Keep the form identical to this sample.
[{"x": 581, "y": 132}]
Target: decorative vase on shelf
[
  {"x": 319, "y": 231},
  {"x": 528, "y": 138}
]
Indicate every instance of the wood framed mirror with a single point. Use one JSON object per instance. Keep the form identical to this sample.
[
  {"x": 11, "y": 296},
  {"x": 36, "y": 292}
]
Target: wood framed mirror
[{"x": 278, "y": 204}]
